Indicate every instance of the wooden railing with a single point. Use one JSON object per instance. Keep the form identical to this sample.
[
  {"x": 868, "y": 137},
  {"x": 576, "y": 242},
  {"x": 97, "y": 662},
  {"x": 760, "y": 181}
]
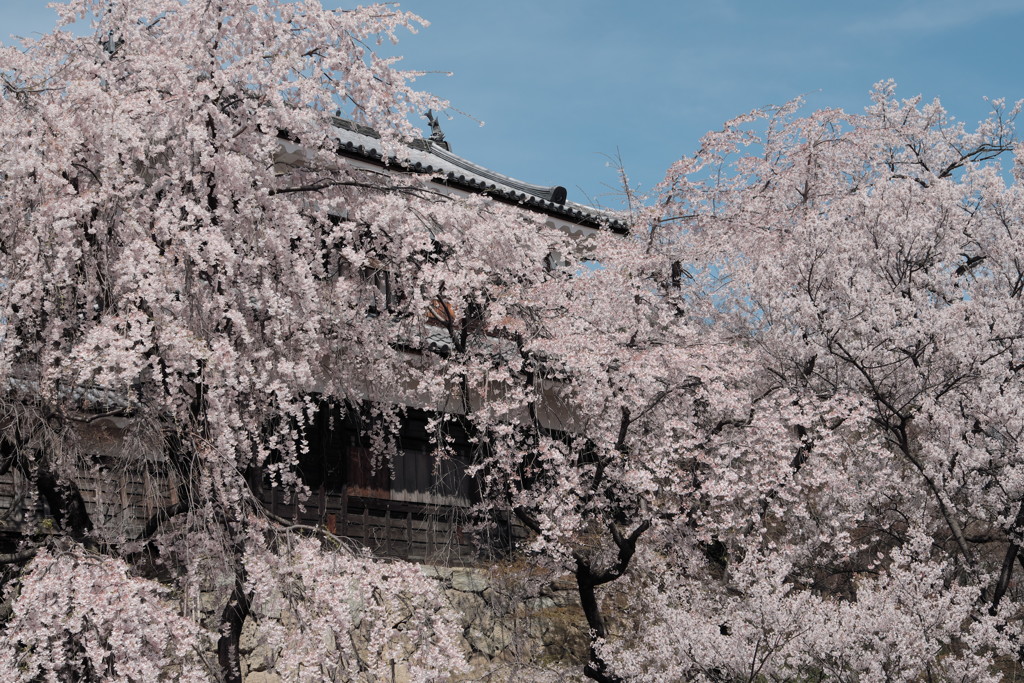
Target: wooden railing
[
  {"x": 430, "y": 533},
  {"x": 419, "y": 532},
  {"x": 118, "y": 502}
]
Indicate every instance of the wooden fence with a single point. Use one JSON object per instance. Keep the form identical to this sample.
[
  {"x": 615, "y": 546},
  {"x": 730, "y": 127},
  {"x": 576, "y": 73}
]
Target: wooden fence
[
  {"x": 120, "y": 502},
  {"x": 419, "y": 532}
]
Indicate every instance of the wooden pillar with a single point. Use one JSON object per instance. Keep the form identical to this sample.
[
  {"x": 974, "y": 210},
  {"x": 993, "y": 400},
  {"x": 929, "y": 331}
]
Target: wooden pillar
[
  {"x": 408, "y": 530},
  {"x": 344, "y": 510},
  {"x": 430, "y": 520}
]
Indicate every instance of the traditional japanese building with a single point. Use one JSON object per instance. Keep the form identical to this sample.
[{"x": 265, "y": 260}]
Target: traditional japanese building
[
  {"x": 418, "y": 509},
  {"x": 412, "y": 506}
]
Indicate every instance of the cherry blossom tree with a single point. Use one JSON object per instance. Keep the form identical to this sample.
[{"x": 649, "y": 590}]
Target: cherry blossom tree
[
  {"x": 184, "y": 249},
  {"x": 85, "y": 617},
  {"x": 870, "y": 266},
  {"x": 771, "y": 430},
  {"x": 164, "y": 264},
  {"x": 167, "y": 262}
]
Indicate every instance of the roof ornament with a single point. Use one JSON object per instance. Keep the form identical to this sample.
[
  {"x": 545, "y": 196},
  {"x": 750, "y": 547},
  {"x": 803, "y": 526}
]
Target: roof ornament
[
  {"x": 112, "y": 44},
  {"x": 436, "y": 134}
]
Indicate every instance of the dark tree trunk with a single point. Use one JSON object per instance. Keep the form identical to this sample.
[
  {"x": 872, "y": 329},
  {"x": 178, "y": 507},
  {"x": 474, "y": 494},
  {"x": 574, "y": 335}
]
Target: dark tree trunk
[
  {"x": 596, "y": 669},
  {"x": 1006, "y": 572},
  {"x": 232, "y": 619}
]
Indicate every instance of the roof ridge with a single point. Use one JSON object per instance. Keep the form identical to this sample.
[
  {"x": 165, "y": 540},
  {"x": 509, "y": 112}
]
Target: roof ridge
[{"x": 426, "y": 156}]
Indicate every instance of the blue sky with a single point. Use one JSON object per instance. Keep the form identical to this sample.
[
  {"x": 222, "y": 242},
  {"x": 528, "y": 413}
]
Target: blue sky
[{"x": 560, "y": 84}]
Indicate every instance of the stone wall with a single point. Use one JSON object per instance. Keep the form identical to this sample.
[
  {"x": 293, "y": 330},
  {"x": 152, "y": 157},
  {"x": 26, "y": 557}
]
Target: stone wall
[{"x": 519, "y": 624}]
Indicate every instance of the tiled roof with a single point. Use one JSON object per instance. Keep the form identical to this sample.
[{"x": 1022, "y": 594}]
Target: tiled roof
[{"x": 426, "y": 156}]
